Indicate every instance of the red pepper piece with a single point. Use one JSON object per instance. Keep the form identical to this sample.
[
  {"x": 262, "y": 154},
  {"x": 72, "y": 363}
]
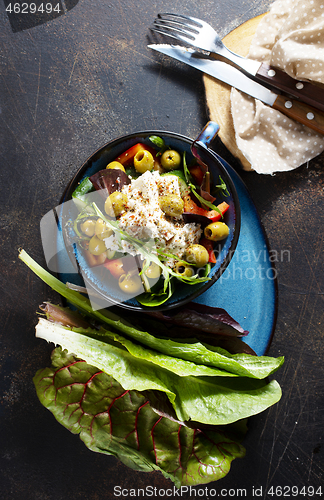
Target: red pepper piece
[
  {"x": 192, "y": 207},
  {"x": 115, "y": 266},
  {"x": 127, "y": 156},
  {"x": 214, "y": 216},
  {"x": 210, "y": 249}
]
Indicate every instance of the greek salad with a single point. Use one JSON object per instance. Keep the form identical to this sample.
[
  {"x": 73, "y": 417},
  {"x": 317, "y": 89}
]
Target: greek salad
[{"x": 155, "y": 221}]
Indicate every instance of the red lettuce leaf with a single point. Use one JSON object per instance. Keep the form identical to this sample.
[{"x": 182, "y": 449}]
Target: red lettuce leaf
[
  {"x": 232, "y": 344},
  {"x": 122, "y": 423},
  {"x": 109, "y": 180},
  {"x": 63, "y": 316},
  {"x": 204, "y": 318}
]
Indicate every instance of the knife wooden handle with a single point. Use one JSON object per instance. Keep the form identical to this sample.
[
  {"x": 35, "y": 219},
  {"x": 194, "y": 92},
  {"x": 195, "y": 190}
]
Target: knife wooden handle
[
  {"x": 300, "y": 112},
  {"x": 307, "y": 92}
]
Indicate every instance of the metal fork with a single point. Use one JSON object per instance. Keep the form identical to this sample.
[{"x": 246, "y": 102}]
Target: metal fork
[{"x": 201, "y": 35}]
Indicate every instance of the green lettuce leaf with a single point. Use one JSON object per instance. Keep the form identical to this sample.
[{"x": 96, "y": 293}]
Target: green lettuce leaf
[
  {"x": 240, "y": 364},
  {"x": 214, "y": 400},
  {"x": 119, "y": 422}
]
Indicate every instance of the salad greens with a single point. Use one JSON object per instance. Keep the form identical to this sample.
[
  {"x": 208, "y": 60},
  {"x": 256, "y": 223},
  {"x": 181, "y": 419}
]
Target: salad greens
[
  {"x": 196, "y": 392},
  {"x": 107, "y": 374},
  {"x": 122, "y": 423}
]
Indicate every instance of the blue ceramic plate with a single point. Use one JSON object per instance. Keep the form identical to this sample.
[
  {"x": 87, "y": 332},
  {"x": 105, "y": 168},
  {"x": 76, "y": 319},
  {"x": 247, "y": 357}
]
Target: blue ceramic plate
[
  {"x": 98, "y": 278},
  {"x": 248, "y": 288}
]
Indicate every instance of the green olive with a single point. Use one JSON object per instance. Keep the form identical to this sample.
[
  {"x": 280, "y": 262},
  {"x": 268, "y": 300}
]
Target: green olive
[
  {"x": 102, "y": 231},
  {"x": 116, "y": 165},
  {"x": 130, "y": 283},
  {"x": 170, "y": 159},
  {"x": 153, "y": 270},
  {"x": 96, "y": 246},
  {"x": 115, "y": 203},
  {"x": 88, "y": 227},
  {"x": 216, "y": 231},
  {"x": 197, "y": 255},
  {"x": 172, "y": 205},
  {"x": 184, "y": 269},
  {"x": 143, "y": 161}
]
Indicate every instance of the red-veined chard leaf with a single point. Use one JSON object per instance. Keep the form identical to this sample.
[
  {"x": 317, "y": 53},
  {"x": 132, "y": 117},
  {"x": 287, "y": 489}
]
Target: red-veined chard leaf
[{"x": 120, "y": 422}]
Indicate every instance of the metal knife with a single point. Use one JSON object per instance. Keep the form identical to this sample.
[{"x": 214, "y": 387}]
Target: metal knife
[{"x": 232, "y": 76}]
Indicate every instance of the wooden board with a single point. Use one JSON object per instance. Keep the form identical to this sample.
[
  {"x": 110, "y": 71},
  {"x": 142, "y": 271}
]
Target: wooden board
[{"x": 218, "y": 93}]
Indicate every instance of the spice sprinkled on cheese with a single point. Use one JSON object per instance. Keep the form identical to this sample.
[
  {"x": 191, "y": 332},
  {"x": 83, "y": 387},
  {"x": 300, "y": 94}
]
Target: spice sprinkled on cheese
[{"x": 143, "y": 217}]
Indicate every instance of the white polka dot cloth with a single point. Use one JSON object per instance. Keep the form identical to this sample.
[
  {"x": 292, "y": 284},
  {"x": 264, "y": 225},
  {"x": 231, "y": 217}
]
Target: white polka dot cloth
[{"x": 290, "y": 37}]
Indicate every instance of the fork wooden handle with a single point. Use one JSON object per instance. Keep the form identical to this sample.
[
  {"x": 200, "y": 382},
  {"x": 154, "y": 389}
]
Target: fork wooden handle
[
  {"x": 300, "y": 112},
  {"x": 306, "y": 92}
]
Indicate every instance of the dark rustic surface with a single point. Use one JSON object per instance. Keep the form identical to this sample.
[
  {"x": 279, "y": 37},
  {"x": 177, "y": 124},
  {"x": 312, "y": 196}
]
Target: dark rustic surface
[{"x": 67, "y": 87}]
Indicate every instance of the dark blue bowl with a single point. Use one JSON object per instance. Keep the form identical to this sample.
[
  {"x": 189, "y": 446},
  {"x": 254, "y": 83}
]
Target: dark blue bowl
[{"x": 225, "y": 249}]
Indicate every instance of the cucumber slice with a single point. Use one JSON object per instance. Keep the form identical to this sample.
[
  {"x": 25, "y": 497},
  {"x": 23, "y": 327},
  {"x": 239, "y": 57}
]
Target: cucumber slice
[
  {"x": 184, "y": 188},
  {"x": 110, "y": 254}
]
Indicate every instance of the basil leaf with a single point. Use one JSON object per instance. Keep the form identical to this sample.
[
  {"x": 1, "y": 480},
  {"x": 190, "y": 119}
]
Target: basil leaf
[{"x": 158, "y": 141}]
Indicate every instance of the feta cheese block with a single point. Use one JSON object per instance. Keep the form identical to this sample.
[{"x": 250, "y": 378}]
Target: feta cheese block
[{"x": 144, "y": 219}]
